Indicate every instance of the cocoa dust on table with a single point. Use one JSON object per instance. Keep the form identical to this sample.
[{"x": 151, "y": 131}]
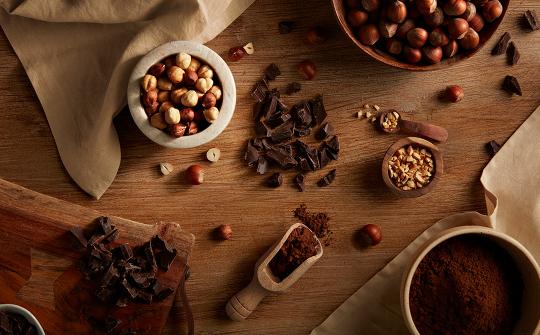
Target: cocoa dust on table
[
  {"x": 466, "y": 285},
  {"x": 317, "y": 222}
]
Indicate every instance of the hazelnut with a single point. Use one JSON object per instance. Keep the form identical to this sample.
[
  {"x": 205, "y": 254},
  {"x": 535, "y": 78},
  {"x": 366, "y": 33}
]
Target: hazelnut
[
  {"x": 316, "y": 35},
  {"x": 175, "y": 74},
  {"x": 417, "y": 37},
  {"x": 183, "y": 60},
  {"x": 213, "y": 155},
  {"x": 368, "y": 34},
  {"x": 172, "y": 116},
  {"x": 199, "y": 116},
  {"x": 432, "y": 55},
  {"x": 236, "y": 53},
  {"x": 189, "y": 99},
  {"x": 208, "y": 100},
  {"x": 457, "y": 28},
  {"x": 396, "y": 11},
  {"x": 477, "y": 23},
  {"x": 370, "y": 5},
  {"x": 176, "y": 95},
  {"x": 426, "y": 7},
  {"x": 216, "y": 91},
  {"x": 307, "y": 69},
  {"x": 194, "y": 65},
  {"x": 169, "y": 61},
  {"x": 357, "y": 18},
  {"x": 404, "y": 28},
  {"x": 454, "y": 93},
  {"x": 187, "y": 115},
  {"x": 148, "y": 82},
  {"x": 411, "y": 55},
  {"x": 190, "y": 78},
  {"x": 152, "y": 109},
  {"x": 205, "y": 71},
  {"x": 370, "y": 235},
  {"x": 470, "y": 12},
  {"x": 492, "y": 10},
  {"x": 470, "y": 40},
  {"x": 192, "y": 128},
  {"x": 195, "y": 175},
  {"x": 164, "y": 84},
  {"x": 204, "y": 84},
  {"x": 438, "y": 38},
  {"x": 387, "y": 29},
  {"x": 455, "y": 7},
  {"x": 223, "y": 232},
  {"x": 394, "y": 46},
  {"x": 164, "y": 106},
  {"x": 451, "y": 49},
  {"x": 166, "y": 168},
  {"x": 157, "y": 69},
  {"x": 177, "y": 130},
  {"x": 211, "y": 114},
  {"x": 249, "y": 49},
  {"x": 435, "y": 19},
  {"x": 150, "y": 97},
  {"x": 157, "y": 121},
  {"x": 163, "y": 96}
]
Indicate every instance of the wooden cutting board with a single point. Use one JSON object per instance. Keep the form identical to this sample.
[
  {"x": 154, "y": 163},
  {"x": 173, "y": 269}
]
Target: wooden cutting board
[{"x": 38, "y": 262}]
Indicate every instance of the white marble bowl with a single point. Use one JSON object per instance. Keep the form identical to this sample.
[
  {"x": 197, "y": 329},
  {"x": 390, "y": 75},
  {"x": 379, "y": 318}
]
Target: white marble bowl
[
  {"x": 221, "y": 71},
  {"x": 24, "y": 312}
]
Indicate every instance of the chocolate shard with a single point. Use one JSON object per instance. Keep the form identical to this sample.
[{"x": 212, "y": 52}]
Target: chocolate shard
[
  {"x": 493, "y": 147},
  {"x": 259, "y": 90},
  {"x": 142, "y": 279},
  {"x": 511, "y": 85},
  {"x": 292, "y": 88},
  {"x": 301, "y": 147},
  {"x": 270, "y": 106},
  {"x": 272, "y": 71},
  {"x": 149, "y": 256},
  {"x": 501, "y": 46},
  {"x": 128, "y": 289},
  {"x": 105, "y": 224},
  {"x": 333, "y": 147},
  {"x": 299, "y": 181},
  {"x": 111, "y": 236},
  {"x": 110, "y": 277},
  {"x": 165, "y": 258},
  {"x": 312, "y": 158},
  {"x": 532, "y": 20},
  {"x": 278, "y": 119},
  {"x": 252, "y": 153},
  {"x": 123, "y": 251},
  {"x": 328, "y": 179},
  {"x": 324, "y": 160},
  {"x": 512, "y": 54},
  {"x": 78, "y": 233},
  {"x": 285, "y": 27},
  {"x": 318, "y": 110},
  {"x": 304, "y": 165},
  {"x": 303, "y": 117},
  {"x": 262, "y": 165},
  {"x": 325, "y": 131},
  {"x": 282, "y": 133},
  {"x": 282, "y": 157},
  {"x": 275, "y": 180}
]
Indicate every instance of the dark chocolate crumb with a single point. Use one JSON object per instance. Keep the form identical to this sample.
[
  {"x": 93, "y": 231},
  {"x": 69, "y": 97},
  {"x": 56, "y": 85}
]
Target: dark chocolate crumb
[
  {"x": 532, "y": 20},
  {"x": 275, "y": 180},
  {"x": 512, "y": 54},
  {"x": 511, "y": 85},
  {"x": 492, "y": 147},
  {"x": 272, "y": 71},
  {"x": 328, "y": 179},
  {"x": 299, "y": 181}
]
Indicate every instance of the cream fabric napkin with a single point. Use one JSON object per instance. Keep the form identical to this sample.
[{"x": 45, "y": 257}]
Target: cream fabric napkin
[
  {"x": 512, "y": 184},
  {"x": 79, "y": 54}
]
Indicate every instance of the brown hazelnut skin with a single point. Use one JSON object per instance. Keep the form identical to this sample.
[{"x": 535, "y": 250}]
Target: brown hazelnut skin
[
  {"x": 163, "y": 96},
  {"x": 477, "y": 23},
  {"x": 152, "y": 109},
  {"x": 492, "y": 10},
  {"x": 411, "y": 55},
  {"x": 435, "y": 19},
  {"x": 190, "y": 78},
  {"x": 370, "y": 234},
  {"x": 404, "y": 28},
  {"x": 438, "y": 38},
  {"x": 316, "y": 35},
  {"x": 451, "y": 49},
  {"x": 426, "y": 7},
  {"x": 307, "y": 69},
  {"x": 187, "y": 115},
  {"x": 157, "y": 69},
  {"x": 368, "y": 34},
  {"x": 457, "y": 28},
  {"x": 356, "y": 18},
  {"x": 175, "y": 74},
  {"x": 470, "y": 12},
  {"x": 387, "y": 29},
  {"x": 177, "y": 130},
  {"x": 192, "y": 128},
  {"x": 150, "y": 98},
  {"x": 417, "y": 37},
  {"x": 396, "y": 11},
  {"x": 223, "y": 232},
  {"x": 470, "y": 40},
  {"x": 454, "y": 93},
  {"x": 195, "y": 174},
  {"x": 208, "y": 100},
  {"x": 165, "y": 106},
  {"x": 236, "y": 53},
  {"x": 455, "y": 7},
  {"x": 432, "y": 55},
  {"x": 394, "y": 46},
  {"x": 370, "y": 5}
]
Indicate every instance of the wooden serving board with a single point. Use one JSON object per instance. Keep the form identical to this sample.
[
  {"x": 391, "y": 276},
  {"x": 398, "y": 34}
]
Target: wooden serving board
[{"x": 38, "y": 263}]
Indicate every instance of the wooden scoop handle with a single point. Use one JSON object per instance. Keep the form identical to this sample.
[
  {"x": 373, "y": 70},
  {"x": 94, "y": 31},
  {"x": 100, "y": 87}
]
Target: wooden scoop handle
[
  {"x": 240, "y": 306},
  {"x": 424, "y": 129}
]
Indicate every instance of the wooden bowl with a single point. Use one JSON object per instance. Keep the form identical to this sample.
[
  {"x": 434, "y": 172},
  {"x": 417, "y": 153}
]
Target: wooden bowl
[
  {"x": 382, "y": 56},
  {"x": 529, "y": 322},
  {"x": 437, "y": 158}
]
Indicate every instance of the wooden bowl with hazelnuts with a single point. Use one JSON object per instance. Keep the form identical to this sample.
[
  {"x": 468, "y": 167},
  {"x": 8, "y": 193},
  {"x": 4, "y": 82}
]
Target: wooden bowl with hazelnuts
[
  {"x": 181, "y": 94},
  {"x": 420, "y": 35}
]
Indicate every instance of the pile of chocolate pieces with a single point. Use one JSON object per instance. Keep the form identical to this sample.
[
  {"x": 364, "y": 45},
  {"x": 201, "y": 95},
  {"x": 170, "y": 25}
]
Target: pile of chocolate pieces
[{"x": 279, "y": 129}]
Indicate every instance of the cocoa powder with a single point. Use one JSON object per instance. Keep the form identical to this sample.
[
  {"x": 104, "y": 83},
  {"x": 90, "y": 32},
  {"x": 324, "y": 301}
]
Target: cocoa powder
[
  {"x": 466, "y": 285},
  {"x": 299, "y": 246},
  {"x": 317, "y": 222}
]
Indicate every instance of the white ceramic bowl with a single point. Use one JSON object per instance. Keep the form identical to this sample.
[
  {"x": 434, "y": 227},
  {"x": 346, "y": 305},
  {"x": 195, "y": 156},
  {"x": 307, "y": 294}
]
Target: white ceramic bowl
[
  {"x": 24, "y": 312},
  {"x": 529, "y": 322},
  {"x": 221, "y": 71}
]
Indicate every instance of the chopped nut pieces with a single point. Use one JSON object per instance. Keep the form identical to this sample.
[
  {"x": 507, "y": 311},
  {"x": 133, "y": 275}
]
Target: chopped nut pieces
[
  {"x": 493, "y": 147},
  {"x": 511, "y": 85},
  {"x": 411, "y": 168},
  {"x": 502, "y": 45},
  {"x": 166, "y": 168},
  {"x": 213, "y": 155},
  {"x": 512, "y": 54},
  {"x": 390, "y": 120},
  {"x": 532, "y": 20}
]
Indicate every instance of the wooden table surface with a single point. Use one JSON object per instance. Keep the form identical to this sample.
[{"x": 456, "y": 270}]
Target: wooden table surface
[{"x": 233, "y": 193}]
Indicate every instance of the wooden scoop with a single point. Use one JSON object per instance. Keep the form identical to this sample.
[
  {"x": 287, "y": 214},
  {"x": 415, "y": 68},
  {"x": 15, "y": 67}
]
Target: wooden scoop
[
  {"x": 423, "y": 129},
  {"x": 243, "y": 303}
]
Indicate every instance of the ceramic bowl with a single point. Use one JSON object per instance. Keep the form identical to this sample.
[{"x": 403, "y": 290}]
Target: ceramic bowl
[
  {"x": 221, "y": 71},
  {"x": 24, "y": 312},
  {"x": 529, "y": 322}
]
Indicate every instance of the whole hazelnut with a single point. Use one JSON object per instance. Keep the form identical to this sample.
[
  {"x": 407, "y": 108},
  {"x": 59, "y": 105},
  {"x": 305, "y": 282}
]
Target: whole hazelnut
[
  {"x": 205, "y": 71},
  {"x": 357, "y": 18},
  {"x": 150, "y": 97},
  {"x": 417, "y": 37},
  {"x": 148, "y": 82},
  {"x": 368, "y": 34},
  {"x": 432, "y": 55},
  {"x": 152, "y": 109},
  {"x": 176, "y": 95},
  {"x": 157, "y": 69},
  {"x": 438, "y": 38},
  {"x": 204, "y": 84},
  {"x": 157, "y": 121},
  {"x": 187, "y": 115},
  {"x": 454, "y": 7},
  {"x": 426, "y": 7},
  {"x": 435, "y": 19},
  {"x": 236, "y": 53},
  {"x": 164, "y": 106},
  {"x": 396, "y": 11},
  {"x": 457, "y": 28},
  {"x": 172, "y": 116},
  {"x": 163, "y": 96},
  {"x": 387, "y": 29},
  {"x": 492, "y": 10},
  {"x": 216, "y": 91},
  {"x": 164, "y": 84},
  {"x": 370, "y": 235},
  {"x": 477, "y": 23},
  {"x": 307, "y": 69},
  {"x": 177, "y": 130},
  {"x": 194, "y": 65},
  {"x": 195, "y": 175},
  {"x": 183, "y": 60},
  {"x": 223, "y": 232},
  {"x": 190, "y": 78},
  {"x": 208, "y": 100},
  {"x": 470, "y": 12},
  {"x": 169, "y": 61},
  {"x": 470, "y": 40},
  {"x": 190, "y": 99},
  {"x": 394, "y": 46},
  {"x": 370, "y": 5},
  {"x": 404, "y": 28},
  {"x": 175, "y": 74},
  {"x": 454, "y": 93},
  {"x": 316, "y": 35},
  {"x": 411, "y": 55},
  {"x": 192, "y": 128},
  {"x": 211, "y": 114},
  {"x": 451, "y": 49}
]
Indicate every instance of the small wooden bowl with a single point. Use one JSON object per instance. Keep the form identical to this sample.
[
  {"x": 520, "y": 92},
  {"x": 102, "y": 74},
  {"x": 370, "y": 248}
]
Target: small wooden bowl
[
  {"x": 382, "y": 56},
  {"x": 437, "y": 158}
]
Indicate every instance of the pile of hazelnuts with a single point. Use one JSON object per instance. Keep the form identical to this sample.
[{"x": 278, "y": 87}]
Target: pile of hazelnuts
[
  {"x": 421, "y": 31},
  {"x": 180, "y": 95}
]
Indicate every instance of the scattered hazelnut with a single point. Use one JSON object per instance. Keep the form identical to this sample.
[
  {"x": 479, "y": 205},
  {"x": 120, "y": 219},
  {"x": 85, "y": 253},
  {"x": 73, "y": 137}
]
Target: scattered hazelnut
[
  {"x": 190, "y": 78},
  {"x": 175, "y": 74},
  {"x": 223, "y": 232},
  {"x": 148, "y": 82},
  {"x": 368, "y": 34},
  {"x": 426, "y": 7},
  {"x": 417, "y": 37},
  {"x": 357, "y": 18},
  {"x": 435, "y": 19},
  {"x": 164, "y": 84},
  {"x": 432, "y": 55},
  {"x": 307, "y": 69},
  {"x": 166, "y": 168},
  {"x": 404, "y": 28},
  {"x": 157, "y": 121},
  {"x": 194, "y": 65},
  {"x": 316, "y": 35},
  {"x": 411, "y": 54},
  {"x": 236, "y": 53},
  {"x": 183, "y": 60},
  {"x": 208, "y": 100},
  {"x": 150, "y": 97},
  {"x": 176, "y": 95},
  {"x": 204, "y": 84},
  {"x": 387, "y": 29},
  {"x": 189, "y": 99},
  {"x": 454, "y": 7},
  {"x": 172, "y": 115},
  {"x": 396, "y": 11},
  {"x": 177, "y": 130},
  {"x": 213, "y": 155},
  {"x": 157, "y": 69},
  {"x": 195, "y": 175},
  {"x": 492, "y": 10},
  {"x": 370, "y": 235},
  {"x": 187, "y": 115},
  {"x": 451, "y": 49},
  {"x": 193, "y": 128},
  {"x": 152, "y": 109},
  {"x": 457, "y": 28},
  {"x": 249, "y": 48},
  {"x": 370, "y": 5},
  {"x": 454, "y": 93},
  {"x": 470, "y": 12},
  {"x": 216, "y": 91},
  {"x": 211, "y": 114},
  {"x": 470, "y": 40},
  {"x": 477, "y": 23},
  {"x": 163, "y": 96},
  {"x": 394, "y": 46},
  {"x": 205, "y": 72},
  {"x": 438, "y": 38}
]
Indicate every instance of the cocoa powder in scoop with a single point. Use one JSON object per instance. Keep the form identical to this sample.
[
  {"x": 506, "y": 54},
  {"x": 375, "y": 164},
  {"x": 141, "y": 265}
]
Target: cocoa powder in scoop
[{"x": 299, "y": 246}]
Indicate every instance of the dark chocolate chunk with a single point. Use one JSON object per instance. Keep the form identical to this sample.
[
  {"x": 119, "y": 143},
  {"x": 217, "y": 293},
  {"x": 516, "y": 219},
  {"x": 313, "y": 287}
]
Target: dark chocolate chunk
[
  {"x": 161, "y": 292},
  {"x": 333, "y": 147},
  {"x": 512, "y": 54},
  {"x": 275, "y": 180},
  {"x": 165, "y": 258},
  {"x": 105, "y": 224},
  {"x": 261, "y": 129},
  {"x": 110, "y": 277},
  {"x": 293, "y": 88},
  {"x": 285, "y": 27},
  {"x": 532, "y": 20},
  {"x": 299, "y": 181},
  {"x": 282, "y": 133},
  {"x": 325, "y": 131},
  {"x": 142, "y": 279},
  {"x": 259, "y": 90},
  {"x": 78, "y": 233},
  {"x": 281, "y": 157},
  {"x": 511, "y": 85},
  {"x": 328, "y": 179},
  {"x": 324, "y": 160},
  {"x": 318, "y": 110},
  {"x": 302, "y": 115},
  {"x": 128, "y": 289},
  {"x": 160, "y": 244},
  {"x": 270, "y": 106},
  {"x": 252, "y": 154},
  {"x": 300, "y": 132},
  {"x": 312, "y": 158},
  {"x": 111, "y": 236},
  {"x": 149, "y": 256},
  {"x": 501, "y": 46},
  {"x": 493, "y": 147},
  {"x": 272, "y": 71},
  {"x": 262, "y": 165},
  {"x": 304, "y": 165},
  {"x": 278, "y": 119},
  {"x": 144, "y": 297},
  {"x": 123, "y": 251},
  {"x": 301, "y": 147}
]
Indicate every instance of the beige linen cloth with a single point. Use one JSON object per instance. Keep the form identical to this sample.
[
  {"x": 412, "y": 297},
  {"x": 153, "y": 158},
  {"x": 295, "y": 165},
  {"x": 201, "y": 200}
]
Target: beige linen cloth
[
  {"x": 512, "y": 184},
  {"x": 79, "y": 54}
]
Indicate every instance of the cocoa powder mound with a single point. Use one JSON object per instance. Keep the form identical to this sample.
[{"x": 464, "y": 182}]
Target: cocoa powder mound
[
  {"x": 466, "y": 285},
  {"x": 299, "y": 246},
  {"x": 317, "y": 222}
]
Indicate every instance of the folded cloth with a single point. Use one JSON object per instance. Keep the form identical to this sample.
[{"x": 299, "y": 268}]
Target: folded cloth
[
  {"x": 512, "y": 184},
  {"x": 79, "y": 55}
]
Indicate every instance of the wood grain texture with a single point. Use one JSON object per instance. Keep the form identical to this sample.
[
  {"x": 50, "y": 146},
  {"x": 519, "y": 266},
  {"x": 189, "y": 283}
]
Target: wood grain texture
[{"x": 234, "y": 194}]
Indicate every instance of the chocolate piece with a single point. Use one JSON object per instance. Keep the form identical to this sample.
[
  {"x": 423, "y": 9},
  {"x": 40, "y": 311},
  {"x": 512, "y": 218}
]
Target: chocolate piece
[
  {"x": 144, "y": 297},
  {"x": 323, "y": 158},
  {"x": 259, "y": 90},
  {"x": 312, "y": 157},
  {"x": 262, "y": 165},
  {"x": 278, "y": 119},
  {"x": 142, "y": 279},
  {"x": 285, "y": 27},
  {"x": 160, "y": 244},
  {"x": 512, "y": 54},
  {"x": 502, "y": 45},
  {"x": 111, "y": 236},
  {"x": 304, "y": 165},
  {"x": 293, "y": 88},
  {"x": 275, "y": 180},
  {"x": 78, "y": 233},
  {"x": 129, "y": 290},
  {"x": 328, "y": 179},
  {"x": 165, "y": 258},
  {"x": 282, "y": 133},
  {"x": 161, "y": 292},
  {"x": 301, "y": 147},
  {"x": 333, "y": 147},
  {"x": 300, "y": 132},
  {"x": 123, "y": 251},
  {"x": 511, "y": 85},
  {"x": 281, "y": 157},
  {"x": 149, "y": 256},
  {"x": 270, "y": 106},
  {"x": 252, "y": 154},
  {"x": 532, "y": 20},
  {"x": 325, "y": 131},
  {"x": 272, "y": 71},
  {"x": 299, "y": 181},
  {"x": 261, "y": 129},
  {"x": 302, "y": 115},
  {"x": 105, "y": 224},
  {"x": 493, "y": 147},
  {"x": 110, "y": 277},
  {"x": 318, "y": 110}
]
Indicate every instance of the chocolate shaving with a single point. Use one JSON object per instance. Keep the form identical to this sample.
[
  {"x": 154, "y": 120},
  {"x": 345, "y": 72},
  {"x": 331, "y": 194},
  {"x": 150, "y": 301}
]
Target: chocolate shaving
[
  {"x": 285, "y": 27},
  {"x": 493, "y": 147},
  {"x": 275, "y": 180},
  {"x": 328, "y": 179},
  {"x": 318, "y": 110},
  {"x": 511, "y": 85},
  {"x": 532, "y": 20},
  {"x": 299, "y": 181},
  {"x": 292, "y": 88},
  {"x": 513, "y": 54},
  {"x": 272, "y": 71},
  {"x": 282, "y": 133},
  {"x": 324, "y": 160},
  {"x": 502, "y": 45},
  {"x": 325, "y": 131}
]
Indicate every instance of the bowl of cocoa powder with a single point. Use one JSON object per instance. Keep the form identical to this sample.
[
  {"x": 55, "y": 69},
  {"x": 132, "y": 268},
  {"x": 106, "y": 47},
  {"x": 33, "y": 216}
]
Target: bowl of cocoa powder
[{"x": 472, "y": 280}]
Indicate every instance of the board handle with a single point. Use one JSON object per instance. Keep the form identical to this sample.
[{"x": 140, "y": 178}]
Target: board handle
[
  {"x": 240, "y": 306},
  {"x": 424, "y": 129}
]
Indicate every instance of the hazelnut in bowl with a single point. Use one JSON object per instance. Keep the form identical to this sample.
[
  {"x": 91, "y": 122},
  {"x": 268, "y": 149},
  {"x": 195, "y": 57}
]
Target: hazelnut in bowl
[{"x": 181, "y": 94}]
